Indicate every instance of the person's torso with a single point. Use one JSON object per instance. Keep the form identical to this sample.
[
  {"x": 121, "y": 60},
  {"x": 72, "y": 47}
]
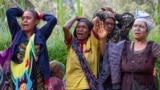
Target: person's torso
[{"x": 75, "y": 77}]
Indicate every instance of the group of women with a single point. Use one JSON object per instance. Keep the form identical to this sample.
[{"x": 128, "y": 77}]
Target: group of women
[{"x": 99, "y": 55}]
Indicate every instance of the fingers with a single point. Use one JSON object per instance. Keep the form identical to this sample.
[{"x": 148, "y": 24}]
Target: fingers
[
  {"x": 107, "y": 8},
  {"x": 80, "y": 17},
  {"x": 103, "y": 9},
  {"x": 95, "y": 20},
  {"x": 97, "y": 25},
  {"x": 101, "y": 24}
]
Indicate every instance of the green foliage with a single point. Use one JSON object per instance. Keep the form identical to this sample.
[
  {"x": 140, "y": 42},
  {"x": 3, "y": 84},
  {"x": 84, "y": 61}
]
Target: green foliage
[
  {"x": 157, "y": 14},
  {"x": 60, "y": 12},
  {"x": 5, "y": 35},
  {"x": 56, "y": 47},
  {"x": 158, "y": 74},
  {"x": 22, "y": 4},
  {"x": 79, "y": 8}
]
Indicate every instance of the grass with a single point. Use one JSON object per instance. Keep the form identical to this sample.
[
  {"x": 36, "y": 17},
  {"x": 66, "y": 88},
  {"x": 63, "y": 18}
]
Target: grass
[{"x": 56, "y": 47}]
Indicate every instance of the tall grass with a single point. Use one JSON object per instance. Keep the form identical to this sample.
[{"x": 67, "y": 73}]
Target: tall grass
[
  {"x": 56, "y": 47},
  {"x": 5, "y": 35},
  {"x": 157, "y": 39},
  {"x": 79, "y": 8}
]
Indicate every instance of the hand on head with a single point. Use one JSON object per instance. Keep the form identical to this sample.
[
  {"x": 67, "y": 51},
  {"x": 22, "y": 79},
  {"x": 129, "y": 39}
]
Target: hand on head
[
  {"x": 107, "y": 8},
  {"x": 79, "y": 18}
]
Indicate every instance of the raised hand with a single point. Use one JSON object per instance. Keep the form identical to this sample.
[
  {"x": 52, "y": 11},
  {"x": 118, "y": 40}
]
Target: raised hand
[
  {"x": 95, "y": 22},
  {"x": 102, "y": 32}
]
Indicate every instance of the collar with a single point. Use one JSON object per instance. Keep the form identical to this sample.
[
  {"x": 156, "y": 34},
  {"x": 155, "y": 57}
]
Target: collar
[{"x": 82, "y": 41}]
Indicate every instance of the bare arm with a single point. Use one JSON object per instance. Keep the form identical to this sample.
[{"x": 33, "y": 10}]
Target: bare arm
[
  {"x": 67, "y": 26},
  {"x": 102, "y": 34}
]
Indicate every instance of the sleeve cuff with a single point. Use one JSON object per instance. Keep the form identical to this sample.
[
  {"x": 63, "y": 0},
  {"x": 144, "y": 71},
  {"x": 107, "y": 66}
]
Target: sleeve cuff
[
  {"x": 47, "y": 81},
  {"x": 40, "y": 15},
  {"x": 95, "y": 34}
]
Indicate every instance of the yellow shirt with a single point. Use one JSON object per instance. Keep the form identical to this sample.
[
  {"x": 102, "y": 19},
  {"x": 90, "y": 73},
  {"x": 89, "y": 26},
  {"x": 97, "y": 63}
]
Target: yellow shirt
[{"x": 75, "y": 77}]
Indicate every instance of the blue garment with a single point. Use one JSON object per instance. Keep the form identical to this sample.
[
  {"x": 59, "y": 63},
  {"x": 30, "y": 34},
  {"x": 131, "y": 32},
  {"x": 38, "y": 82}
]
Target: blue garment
[
  {"x": 41, "y": 36},
  {"x": 111, "y": 69}
]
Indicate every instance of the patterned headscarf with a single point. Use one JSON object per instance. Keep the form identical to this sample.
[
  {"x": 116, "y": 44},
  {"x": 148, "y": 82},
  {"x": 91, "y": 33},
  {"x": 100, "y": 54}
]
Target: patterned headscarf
[
  {"x": 108, "y": 14},
  {"x": 104, "y": 14},
  {"x": 143, "y": 16},
  {"x": 56, "y": 66}
]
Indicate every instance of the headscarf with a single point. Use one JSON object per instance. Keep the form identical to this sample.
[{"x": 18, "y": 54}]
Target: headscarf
[
  {"x": 104, "y": 14},
  {"x": 89, "y": 24},
  {"x": 56, "y": 66},
  {"x": 108, "y": 14},
  {"x": 143, "y": 16}
]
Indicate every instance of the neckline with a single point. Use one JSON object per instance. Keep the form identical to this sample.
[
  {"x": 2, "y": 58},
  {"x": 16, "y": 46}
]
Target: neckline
[{"x": 137, "y": 51}]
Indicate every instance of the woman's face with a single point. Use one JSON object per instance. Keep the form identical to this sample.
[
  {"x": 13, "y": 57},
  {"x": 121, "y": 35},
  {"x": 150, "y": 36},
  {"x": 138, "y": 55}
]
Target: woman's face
[
  {"x": 82, "y": 31},
  {"x": 110, "y": 24},
  {"x": 28, "y": 21},
  {"x": 140, "y": 30}
]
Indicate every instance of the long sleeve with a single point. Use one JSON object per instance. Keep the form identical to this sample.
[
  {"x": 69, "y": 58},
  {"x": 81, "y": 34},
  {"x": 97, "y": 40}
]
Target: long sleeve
[
  {"x": 125, "y": 23},
  {"x": 48, "y": 27},
  {"x": 11, "y": 14}
]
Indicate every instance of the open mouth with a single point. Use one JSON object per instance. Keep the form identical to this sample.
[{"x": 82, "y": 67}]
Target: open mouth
[
  {"x": 80, "y": 34},
  {"x": 25, "y": 25}
]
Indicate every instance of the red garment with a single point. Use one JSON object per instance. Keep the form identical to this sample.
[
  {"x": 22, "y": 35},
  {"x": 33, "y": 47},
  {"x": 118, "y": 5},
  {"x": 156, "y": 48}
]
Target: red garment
[{"x": 55, "y": 84}]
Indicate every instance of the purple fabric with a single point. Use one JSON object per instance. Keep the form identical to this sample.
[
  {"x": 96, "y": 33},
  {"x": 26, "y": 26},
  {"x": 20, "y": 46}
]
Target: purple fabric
[
  {"x": 55, "y": 84},
  {"x": 5, "y": 57}
]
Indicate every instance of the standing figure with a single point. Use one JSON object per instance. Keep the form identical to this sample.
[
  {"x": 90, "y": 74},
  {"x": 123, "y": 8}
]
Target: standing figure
[
  {"x": 29, "y": 62},
  {"x": 83, "y": 51},
  {"x": 132, "y": 62}
]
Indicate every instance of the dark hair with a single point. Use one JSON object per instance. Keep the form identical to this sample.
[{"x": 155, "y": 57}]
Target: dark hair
[
  {"x": 89, "y": 24},
  {"x": 35, "y": 14}
]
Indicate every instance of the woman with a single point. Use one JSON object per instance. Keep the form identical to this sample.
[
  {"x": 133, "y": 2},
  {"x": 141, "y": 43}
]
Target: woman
[
  {"x": 116, "y": 32},
  {"x": 138, "y": 57},
  {"x": 82, "y": 60},
  {"x": 30, "y": 61}
]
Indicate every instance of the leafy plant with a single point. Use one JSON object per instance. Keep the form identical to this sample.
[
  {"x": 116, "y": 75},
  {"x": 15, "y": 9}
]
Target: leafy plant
[
  {"x": 5, "y": 35},
  {"x": 79, "y": 8},
  {"x": 60, "y": 12}
]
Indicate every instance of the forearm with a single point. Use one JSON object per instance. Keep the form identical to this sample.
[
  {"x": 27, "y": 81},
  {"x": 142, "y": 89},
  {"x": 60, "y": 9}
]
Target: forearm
[
  {"x": 16, "y": 12},
  {"x": 69, "y": 23},
  {"x": 48, "y": 27},
  {"x": 102, "y": 46},
  {"x": 67, "y": 26},
  {"x": 11, "y": 14}
]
